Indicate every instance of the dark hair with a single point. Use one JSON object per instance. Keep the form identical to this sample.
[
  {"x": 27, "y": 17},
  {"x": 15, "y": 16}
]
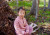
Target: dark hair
[{"x": 22, "y": 9}]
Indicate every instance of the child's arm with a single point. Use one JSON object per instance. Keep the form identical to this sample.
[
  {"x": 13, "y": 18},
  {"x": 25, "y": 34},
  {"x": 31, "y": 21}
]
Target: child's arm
[
  {"x": 27, "y": 26},
  {"x": 16, "y": 26}
]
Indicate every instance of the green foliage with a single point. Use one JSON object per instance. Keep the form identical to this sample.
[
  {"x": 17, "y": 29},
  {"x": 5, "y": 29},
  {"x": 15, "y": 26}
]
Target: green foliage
[
  {"x": 32, "y": 18},
  {"x": 20, "y": 3},
  {"x": 28, "y": 5},
  {"x": 13, "y": 3},
  {"x": 24, "y": 3}
]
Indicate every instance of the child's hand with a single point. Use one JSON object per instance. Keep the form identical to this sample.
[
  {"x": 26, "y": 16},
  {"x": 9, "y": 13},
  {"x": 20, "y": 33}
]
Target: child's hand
[
  {"x": 23, "y": 32},
  {"x": 19, "y": 34},
  {"x": 27, "y": 32}
]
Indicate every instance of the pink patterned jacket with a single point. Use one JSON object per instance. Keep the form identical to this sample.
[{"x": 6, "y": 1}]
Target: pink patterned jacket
[{"x": 21, "y": 26}]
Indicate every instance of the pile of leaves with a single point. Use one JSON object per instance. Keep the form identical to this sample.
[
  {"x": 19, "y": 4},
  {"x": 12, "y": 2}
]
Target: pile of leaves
[
  {"x": 7, "y": 17},
  {"x": 44, "y": 28}
]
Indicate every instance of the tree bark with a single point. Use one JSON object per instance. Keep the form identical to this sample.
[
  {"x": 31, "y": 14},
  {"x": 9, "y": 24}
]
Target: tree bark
[
  {"x": 33, "y": 8},
  {"x": 37, "y": 8},
  {"x": 44, "y": 5},
  {"x": 49, "y": 5},
  {"x": 17, "y": 5}
]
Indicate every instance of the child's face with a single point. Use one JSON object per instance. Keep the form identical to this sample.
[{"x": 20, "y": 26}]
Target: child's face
[{"x": 21, "y": 13}]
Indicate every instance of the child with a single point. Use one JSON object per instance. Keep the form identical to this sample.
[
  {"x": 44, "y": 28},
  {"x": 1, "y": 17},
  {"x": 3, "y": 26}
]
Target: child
[{"x": 20, "y": 24}]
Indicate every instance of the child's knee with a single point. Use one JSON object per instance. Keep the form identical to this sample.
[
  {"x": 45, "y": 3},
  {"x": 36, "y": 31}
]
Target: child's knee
[{"x": 30, "y": 29}]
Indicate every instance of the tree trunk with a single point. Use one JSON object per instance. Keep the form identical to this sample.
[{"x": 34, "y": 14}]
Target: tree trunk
[
  {"x": 37, "y": 8},
  {"x": 44, "y": 5},
  {"x": 49, "y": 5},
  {"x": 33, "y": 8},
  {"x": 17, "y": 4}
]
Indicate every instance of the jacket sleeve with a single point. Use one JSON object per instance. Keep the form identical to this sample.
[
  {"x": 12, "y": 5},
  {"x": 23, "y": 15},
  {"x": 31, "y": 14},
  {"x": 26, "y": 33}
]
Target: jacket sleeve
[
  {"x": 16, "y": 26},
  {"x": 27, "y": 27}
]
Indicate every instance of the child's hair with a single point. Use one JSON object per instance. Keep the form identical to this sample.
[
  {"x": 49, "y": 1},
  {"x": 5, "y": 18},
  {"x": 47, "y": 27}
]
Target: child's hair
[{"x": 22, "y": 9}]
